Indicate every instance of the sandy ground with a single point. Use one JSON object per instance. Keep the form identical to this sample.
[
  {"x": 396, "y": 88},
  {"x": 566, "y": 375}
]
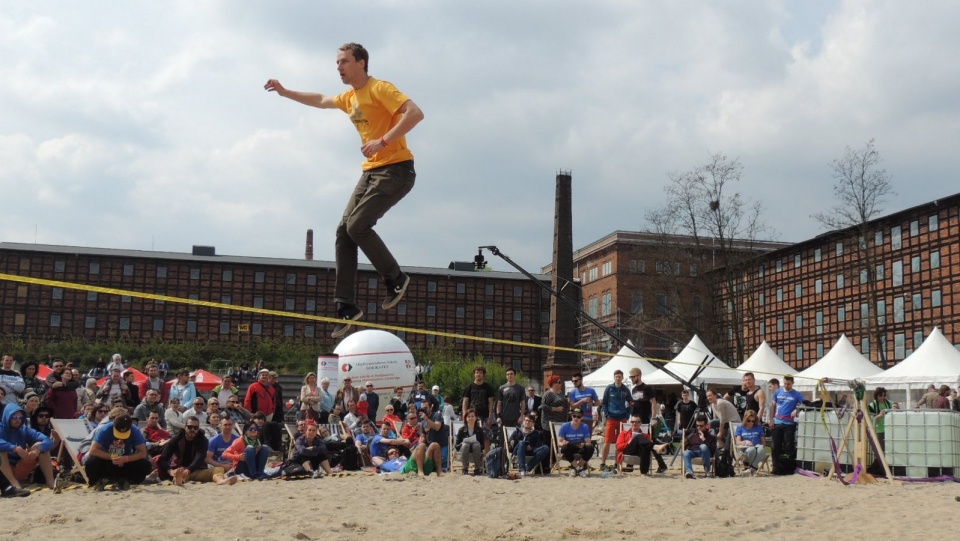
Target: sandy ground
[{"x": 478, "y": 508}]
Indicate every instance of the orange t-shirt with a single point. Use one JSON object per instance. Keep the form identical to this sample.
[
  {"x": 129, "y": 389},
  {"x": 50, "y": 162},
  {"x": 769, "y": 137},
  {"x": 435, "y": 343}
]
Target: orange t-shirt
[{"x": 373, "y": 110}]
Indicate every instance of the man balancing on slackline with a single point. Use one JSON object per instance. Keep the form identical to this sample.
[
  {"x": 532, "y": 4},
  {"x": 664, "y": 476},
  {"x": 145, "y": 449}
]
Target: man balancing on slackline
[{"x": 382, "y": 115}]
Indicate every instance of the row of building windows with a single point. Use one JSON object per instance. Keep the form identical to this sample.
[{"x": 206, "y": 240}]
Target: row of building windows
[
  {"x": 896, "y": 243},
  {"x": 899, "y": 312},
  {"x": 900, "y": 350}
]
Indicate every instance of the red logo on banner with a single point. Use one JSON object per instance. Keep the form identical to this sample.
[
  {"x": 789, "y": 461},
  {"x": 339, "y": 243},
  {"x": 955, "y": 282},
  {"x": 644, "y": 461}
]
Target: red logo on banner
[{"x": 346, "y": 367}]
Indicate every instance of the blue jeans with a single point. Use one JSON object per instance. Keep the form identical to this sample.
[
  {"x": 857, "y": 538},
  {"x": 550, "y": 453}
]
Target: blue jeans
[
  {"x": 703, "y": 452},
  {"x": 253, "y": 462},
  {"x": 539, "y": 455}
]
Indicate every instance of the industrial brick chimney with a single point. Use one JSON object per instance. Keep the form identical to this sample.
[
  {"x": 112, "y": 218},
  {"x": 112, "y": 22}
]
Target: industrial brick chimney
[
  {"x": 563, "y": 319},
  {"x": 309, "y": 252}
]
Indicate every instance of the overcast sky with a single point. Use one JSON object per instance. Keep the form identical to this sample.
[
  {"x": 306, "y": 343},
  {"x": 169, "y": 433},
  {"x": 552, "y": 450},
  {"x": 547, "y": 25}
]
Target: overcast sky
[{"x": 144, "y": 125}]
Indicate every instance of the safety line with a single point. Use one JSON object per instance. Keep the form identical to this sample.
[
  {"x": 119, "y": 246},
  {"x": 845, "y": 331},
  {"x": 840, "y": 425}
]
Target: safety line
[{"x": 325, "y": 319}]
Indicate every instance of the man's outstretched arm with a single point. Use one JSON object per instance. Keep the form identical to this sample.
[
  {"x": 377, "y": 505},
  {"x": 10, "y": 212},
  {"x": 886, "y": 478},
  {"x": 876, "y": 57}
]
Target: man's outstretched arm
[{"x": 312, "y": 99}]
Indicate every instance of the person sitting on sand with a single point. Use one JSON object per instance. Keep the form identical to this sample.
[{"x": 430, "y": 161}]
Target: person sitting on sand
[
  {"x": 155, "y": 436},
  {"x": 220, "y": 443},
  {"x": 118, "y": 453},
  {"x": 311, "y": 453},
  {"x": 22, "y": 449},
  {"x": 383, "y": 441},
  {"x": 410, "y": 430},
  {"x": 248, "y": 455},
  {"x": 185, "y": 458}
]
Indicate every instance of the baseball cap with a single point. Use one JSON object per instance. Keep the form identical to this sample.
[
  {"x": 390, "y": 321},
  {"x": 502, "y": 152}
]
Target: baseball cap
[
  {"x": 121, "y": 427},
  {"x": 436, "y": 387},
  {"x": 576, "y": 411},
  {"x": 264, "y": 371},
  {"x": 273, "y": 373}
]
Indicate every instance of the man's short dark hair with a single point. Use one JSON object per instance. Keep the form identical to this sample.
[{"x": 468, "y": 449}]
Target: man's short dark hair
[
  {"x": 774, "y": 381},
  {"x": 480, "y": 368},
  {"x": 510, "y": 370},
  {"x": 359, "y": 53},
  {"x": 702, "y": 418},
  {"x": 788, "y": 378}
]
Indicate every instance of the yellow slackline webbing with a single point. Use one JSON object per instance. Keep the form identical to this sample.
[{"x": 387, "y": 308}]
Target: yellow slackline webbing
[{"x": 324, "y": 319}]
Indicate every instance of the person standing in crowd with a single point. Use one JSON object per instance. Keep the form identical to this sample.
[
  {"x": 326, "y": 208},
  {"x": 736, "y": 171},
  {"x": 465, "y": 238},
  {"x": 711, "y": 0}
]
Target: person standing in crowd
[
  {"x": 617, "y": 401},
  {"x": 929, "y": 398},
  {"x": 771, "y": 408},
  {"x": 31, "y": 381},
  {"x": 510, "y": 404},
  {"x": 261, "y": 395},
  {"x": 479, "y": 395},
  {"x": 310, "y": 398},
  {"x": 785, "y": 427},
  {"x": 11, "y": 381},
  {"x": 346, "y": 393},
  {"x": 685, "y": 409},
  {"x": 756, "y": 398},
  {"x": 154, "y": 382},
  {"x": 725, "y": 413},
  {"x": 226, "y": 389},
  {"x": 62, "y": 399},
  {"x": 183, "y": 389},
  {"x": 555, "y": 404},
  {"x": 327, "y": 400},
  {"x": 373, "y": 400},
  {"x": 383, "y": 116},
  {"x": 583, "y": 397},
  {"x": 532, "y": 403}
]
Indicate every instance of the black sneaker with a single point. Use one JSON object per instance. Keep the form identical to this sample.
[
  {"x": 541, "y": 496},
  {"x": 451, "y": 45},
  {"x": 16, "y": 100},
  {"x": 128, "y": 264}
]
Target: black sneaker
[
  {"x": 661, "y": 469},
  {"x": 14, "y": 492},
  {"x": 348, "y": 313},
  {"x": 395, "y": 290}
]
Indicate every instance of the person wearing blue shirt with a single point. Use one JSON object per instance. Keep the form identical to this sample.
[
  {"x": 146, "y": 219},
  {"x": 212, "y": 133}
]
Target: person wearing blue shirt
[
  {"x": 118, "y": 453},
  {"x": 21, "y": 448},
  {"x": 750, "y": 438},
  {"x": 220, "y": 443},
  {"x": 617, "y": 401},
  {"x": 393, "y": 463},
  {"x": 786, "y": 401},
  {"x": 576, "y": 447},
  {"x": 583, "y": 397}
]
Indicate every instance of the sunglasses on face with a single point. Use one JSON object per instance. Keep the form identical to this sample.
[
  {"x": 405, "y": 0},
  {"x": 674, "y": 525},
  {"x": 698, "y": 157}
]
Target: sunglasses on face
[
  {"x": 634, "y": 422},
  {"x": 16, "y": 417},
  {"x": 578, "y": 416},
  {"x": 191, "y": 427}
]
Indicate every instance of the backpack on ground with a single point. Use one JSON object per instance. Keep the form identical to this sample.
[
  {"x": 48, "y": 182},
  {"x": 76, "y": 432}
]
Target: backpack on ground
[
  {"x": 725, "y": 463},
  {"x": 496, "y": 463}
]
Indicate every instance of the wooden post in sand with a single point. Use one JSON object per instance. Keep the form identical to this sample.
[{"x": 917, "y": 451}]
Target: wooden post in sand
[{"x": 864, "y": 429}]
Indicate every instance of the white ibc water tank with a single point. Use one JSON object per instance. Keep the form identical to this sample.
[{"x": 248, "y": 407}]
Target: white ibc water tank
[
  {"x": 920, "y": 440},
  {"x": 813, "y": 439}
]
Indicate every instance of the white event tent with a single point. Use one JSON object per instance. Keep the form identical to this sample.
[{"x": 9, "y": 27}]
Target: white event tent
[
  {"x": 936, "y": 361},
  {"x": 688, "y": 361},
  {"x": 843, "y": 362},
  {"x": 624, "y": 360},
  {"x": 765, "y": 364}
]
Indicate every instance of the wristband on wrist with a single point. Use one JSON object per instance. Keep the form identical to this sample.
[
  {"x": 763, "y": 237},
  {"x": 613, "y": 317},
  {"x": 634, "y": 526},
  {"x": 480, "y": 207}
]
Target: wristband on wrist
[{"x": 382, "y": 142}]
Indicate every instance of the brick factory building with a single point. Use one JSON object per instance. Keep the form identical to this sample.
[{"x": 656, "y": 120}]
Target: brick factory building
[{"x": 502, "y": 305}]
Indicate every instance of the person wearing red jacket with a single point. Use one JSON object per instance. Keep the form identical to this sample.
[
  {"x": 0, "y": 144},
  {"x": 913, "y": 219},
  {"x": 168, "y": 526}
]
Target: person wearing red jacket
[
  {"x": 635, "y": 443},
  {"x": 261, "y": 396}
]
